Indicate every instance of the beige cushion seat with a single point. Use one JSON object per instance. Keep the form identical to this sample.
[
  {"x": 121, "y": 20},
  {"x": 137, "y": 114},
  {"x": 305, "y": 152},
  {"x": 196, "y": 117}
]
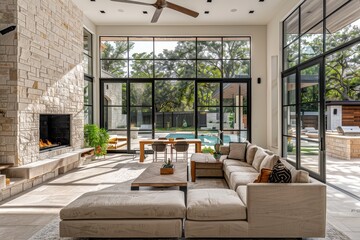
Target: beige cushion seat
[
  {"x": 242, "y": 178},
  {"x": 231, "y": 162},
  {"x": 214, "y": 204},
  {"x": 129, "y": 214},
  {"x": 232, "y": 169}
]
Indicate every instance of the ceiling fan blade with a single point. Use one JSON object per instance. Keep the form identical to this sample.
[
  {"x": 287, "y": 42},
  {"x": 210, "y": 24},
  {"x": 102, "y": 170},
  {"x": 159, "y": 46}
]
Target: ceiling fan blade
[
  {"x": 182, "y": 9},
  {"x": 156, "y": 15},
  {"x": 134, "y": 2}
]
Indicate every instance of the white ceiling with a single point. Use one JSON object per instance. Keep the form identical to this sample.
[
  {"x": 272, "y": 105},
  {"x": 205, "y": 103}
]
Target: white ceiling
[{"x": 117, "y": 13}]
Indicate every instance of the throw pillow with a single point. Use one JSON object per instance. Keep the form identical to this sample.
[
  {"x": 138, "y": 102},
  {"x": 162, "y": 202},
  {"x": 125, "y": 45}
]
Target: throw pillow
[
  {"x": 258, "y": 158},
  {"x": 263, "y": 176},
  {"x": 224, "y": 150},
  {"x": 280, "y": 174},
  {"x": 269, "y": 161},
  {"x": 250, "y": 153},
  {"x": 237, "y": 151}
]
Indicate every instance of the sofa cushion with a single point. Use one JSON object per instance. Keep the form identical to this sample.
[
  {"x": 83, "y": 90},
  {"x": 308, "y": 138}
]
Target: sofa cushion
[
  {"x": 242, "y": 192},
  {"x": 250, "y": 153},
  {"x": 280, "y": 174},
  {"x": 269, "y": 161},
  {"x": 263, "y": 176},
  {"x": 241, "y": 178},
  {"x": 224, "y": 150},
  {"x": 258, "y": 158},
  {"x": 297, "y": 176},
  {"x": 302, "y": 176},
  {"x": 237, "y": 150},
  {"x": 214, "y": 204},
  {"x": 126, "y": 205},
  {"x": 230, "y": 162},
  {"x": 230, "y": 169}
]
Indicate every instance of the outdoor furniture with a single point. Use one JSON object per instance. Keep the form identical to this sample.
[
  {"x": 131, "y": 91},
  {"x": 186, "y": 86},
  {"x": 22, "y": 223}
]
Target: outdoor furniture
[
  {"x": 181, "y": 147},
  {"x": 159, "y": 147},
  {"x": 142, "y": 144}
]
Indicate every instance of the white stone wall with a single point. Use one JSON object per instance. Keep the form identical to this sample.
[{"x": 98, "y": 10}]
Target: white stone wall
[
  {"x": 49, "y": 71},
  {"x": 8, "y": 84}
]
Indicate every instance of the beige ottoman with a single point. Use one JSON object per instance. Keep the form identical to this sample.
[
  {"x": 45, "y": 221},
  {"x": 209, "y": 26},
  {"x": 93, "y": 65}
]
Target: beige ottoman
[
  {"x": 205, "y": 165},
  {"x": 144, "y": 214},
  {"x": 215, "y": 213}
]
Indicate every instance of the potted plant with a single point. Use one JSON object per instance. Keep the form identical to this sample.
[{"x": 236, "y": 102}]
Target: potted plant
[
  {"x": 208, "y": 150},
  {"x": 96, "y": 137},
  {"x": 167, "y": 167}
]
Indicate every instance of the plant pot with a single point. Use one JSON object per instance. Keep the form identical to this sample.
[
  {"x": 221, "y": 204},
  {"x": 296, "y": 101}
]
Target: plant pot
[{"x": 167, "y": 171}]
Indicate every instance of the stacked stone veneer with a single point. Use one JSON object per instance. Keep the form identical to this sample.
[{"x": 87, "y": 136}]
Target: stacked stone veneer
[
  {"x": 48, "y": 77},
  {"x": 8, "y": 82}
]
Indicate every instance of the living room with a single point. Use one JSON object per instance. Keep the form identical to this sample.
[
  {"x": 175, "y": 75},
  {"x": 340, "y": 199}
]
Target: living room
[{"x": 221, "y": 73}]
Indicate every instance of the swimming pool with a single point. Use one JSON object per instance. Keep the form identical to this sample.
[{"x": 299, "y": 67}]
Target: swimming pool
[{"x": 206, "y": 140}]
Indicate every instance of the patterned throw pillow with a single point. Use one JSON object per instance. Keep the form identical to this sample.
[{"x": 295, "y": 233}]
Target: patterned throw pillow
[{"x": 280, "y": 174}]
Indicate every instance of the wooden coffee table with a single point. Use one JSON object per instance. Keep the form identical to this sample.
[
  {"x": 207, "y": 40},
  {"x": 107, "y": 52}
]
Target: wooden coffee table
[{"x": 151, "y": 177}]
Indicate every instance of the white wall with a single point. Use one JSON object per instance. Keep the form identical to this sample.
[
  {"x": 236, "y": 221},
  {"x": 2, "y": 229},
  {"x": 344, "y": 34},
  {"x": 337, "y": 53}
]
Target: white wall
[
  {"x": 273, "y": 91},
  {"x": 258, "y": 52}
]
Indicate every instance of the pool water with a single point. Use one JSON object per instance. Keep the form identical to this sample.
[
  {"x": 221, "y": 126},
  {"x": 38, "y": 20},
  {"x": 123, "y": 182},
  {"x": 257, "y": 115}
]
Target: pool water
[{"x": 205, "y": 139}]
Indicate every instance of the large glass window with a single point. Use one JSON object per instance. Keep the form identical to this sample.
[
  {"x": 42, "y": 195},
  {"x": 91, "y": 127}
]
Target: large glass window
[
  {"x": 88, "y": 77},
  {"x": 177, "y": 87},
  {"x": 321, "y": 90}
]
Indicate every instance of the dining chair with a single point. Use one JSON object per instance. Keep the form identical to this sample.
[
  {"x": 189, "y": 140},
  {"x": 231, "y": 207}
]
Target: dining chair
[
  {"x": 181, "y": 147},
  {"x": 159, "y": 147}
]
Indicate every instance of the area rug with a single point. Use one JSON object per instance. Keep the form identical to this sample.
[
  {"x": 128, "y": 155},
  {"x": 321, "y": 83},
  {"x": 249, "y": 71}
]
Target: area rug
[{"x": 51, "y": 232}]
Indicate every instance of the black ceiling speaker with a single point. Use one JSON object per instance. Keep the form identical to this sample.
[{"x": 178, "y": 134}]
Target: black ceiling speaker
[{"x": 7, "y": 30}]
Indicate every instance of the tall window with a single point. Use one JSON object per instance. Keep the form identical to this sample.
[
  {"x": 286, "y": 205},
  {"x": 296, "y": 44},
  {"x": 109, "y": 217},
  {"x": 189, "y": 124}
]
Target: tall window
[
  {"x": 88, "y": 77},
  {"x": 180, "y": 86},
  {"x": 320, "y": 83}
]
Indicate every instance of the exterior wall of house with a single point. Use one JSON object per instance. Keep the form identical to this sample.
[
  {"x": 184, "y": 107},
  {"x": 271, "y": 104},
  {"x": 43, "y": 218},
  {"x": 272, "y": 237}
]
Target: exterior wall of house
[
  {"x": 49, "y": 74},
  {"x": 258, "y": 56},
  {"x": 8, "y": 77}
]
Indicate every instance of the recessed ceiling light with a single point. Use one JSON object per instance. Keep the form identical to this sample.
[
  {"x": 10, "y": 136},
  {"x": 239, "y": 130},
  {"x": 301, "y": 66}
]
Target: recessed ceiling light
[
  {"x": 145, "y": 12},
  {"x": 206, "y": 12},
  {"x": 209, "y": 1},
  {"x": 233, "y": 10},
  {"x": 102, "y": 11},
  {"x": 251, "y": 11}
]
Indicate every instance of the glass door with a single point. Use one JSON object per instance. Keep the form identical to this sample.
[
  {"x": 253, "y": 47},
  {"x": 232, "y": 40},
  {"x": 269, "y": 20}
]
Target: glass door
[
  {"x": 310, "y": 120},
  {"x": 141, "y": 112},
  {"x": 289, "y": 116}
]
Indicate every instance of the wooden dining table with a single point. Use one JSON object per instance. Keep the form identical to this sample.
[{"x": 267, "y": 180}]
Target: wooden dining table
[{"x": 142, "y": 144}]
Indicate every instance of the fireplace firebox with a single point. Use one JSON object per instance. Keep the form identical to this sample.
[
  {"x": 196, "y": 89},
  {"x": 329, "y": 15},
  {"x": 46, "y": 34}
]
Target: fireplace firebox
[{"x": 54, "y": 131}]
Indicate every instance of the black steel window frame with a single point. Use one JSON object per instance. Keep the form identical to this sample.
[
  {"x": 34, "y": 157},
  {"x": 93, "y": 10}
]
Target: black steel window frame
[
  {"x": 196, "y": 59},
  {"x": 90, "y": 77},
  {"x": 222, "y": 80},
  {"x": 319, "y": 59}
]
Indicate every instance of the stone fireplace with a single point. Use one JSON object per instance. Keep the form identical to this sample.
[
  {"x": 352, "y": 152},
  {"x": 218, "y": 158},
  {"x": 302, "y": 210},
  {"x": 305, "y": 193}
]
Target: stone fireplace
[
  {"x": 41, "y": 77},
  {"x": 54, "y": 132}
]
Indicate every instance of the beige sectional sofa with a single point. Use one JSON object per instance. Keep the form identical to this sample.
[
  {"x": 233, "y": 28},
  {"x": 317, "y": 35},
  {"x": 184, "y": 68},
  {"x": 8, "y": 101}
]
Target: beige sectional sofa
[
  {"x": 247, "y": 209},
  {"x": 276, "y": 210}
]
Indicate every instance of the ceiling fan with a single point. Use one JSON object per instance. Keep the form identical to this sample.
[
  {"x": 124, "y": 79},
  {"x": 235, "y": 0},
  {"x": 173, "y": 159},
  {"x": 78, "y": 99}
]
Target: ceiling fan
[{"x": 160, "y": 5}]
